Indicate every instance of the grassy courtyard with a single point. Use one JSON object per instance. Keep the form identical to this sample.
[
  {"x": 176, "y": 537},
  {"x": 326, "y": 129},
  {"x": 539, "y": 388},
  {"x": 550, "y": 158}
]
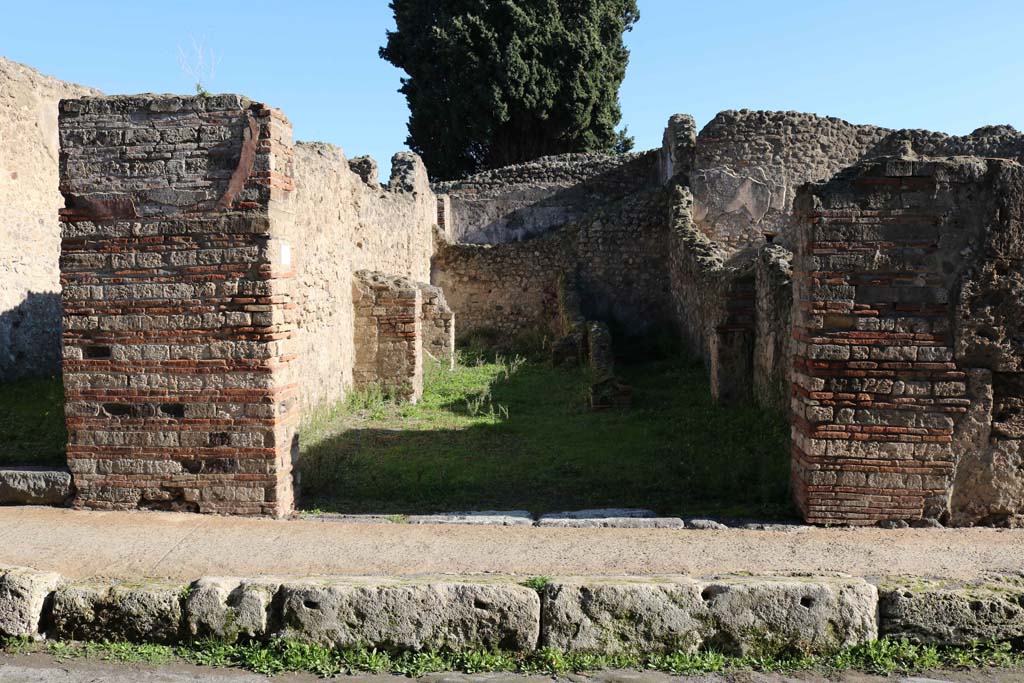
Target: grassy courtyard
[
  {"x": 509, "y": 434},
  {"x": 505, "y": 434}
]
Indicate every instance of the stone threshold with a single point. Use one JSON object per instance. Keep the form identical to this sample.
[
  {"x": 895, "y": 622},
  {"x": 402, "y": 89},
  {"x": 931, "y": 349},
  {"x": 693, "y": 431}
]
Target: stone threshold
[
  {"x": 737, "y": 615},
  {"x": 611, "y": 518}
]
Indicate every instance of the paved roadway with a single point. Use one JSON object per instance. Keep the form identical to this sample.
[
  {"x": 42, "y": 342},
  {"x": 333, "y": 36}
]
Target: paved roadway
[{"x": 40, "y": 668}]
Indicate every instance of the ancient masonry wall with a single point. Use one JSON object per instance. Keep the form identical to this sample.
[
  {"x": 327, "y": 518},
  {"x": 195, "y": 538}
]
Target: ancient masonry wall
[
  {"x": 179, "y": 312},
  {"x": 344, "y": 223},
  {"x": 29, "y": 226},
  {"x": 773, "y": 327},
  {"x": 615, "y": 254},
  {"x": 522, "y": 201},
  {"x": 508, "y": 289},
  {"x": 438, "y": 325},
  {"x": 748, "y": 165},
  {"x": 389, "y": 334},
  {"x": 907, "y": 378}
]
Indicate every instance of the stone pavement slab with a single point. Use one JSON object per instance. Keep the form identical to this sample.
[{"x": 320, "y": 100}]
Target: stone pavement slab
[
  {"x": 39, "y": 668},
  {"x": 80, "y": 545}
]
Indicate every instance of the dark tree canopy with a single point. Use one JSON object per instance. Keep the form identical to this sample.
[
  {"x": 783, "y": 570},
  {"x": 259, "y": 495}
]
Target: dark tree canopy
[{"x": 496, "y": 82}]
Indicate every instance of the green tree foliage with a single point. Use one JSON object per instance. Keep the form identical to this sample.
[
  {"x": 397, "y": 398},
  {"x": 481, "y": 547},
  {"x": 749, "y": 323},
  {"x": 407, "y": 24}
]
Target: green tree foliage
[{"x": 496, "y": 82}]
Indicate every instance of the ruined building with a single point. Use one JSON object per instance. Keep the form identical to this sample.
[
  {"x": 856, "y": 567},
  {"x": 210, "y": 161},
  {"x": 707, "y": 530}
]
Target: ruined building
[{"x": 220, "y": 281}]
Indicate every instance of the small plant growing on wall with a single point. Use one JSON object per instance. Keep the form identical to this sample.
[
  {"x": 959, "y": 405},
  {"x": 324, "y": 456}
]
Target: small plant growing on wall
[{"x": 199, "y": 63}]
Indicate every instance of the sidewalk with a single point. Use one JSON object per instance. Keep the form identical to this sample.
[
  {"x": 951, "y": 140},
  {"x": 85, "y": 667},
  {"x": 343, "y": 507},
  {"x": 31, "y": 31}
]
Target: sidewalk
[{"x": 182, "y": 546}]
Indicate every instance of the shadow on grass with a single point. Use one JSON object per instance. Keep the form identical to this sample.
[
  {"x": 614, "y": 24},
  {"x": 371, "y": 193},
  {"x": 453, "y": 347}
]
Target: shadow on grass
[
  {"x": 674, "y": 450},
  {"x": 32, "y": 428}
]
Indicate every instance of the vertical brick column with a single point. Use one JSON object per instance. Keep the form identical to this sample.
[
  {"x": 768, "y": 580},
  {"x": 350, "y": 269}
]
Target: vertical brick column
[
  {"x": 388, "y": 334},
  {"x": 877, "y": 393},
  {"x": 177, "y": 303}
]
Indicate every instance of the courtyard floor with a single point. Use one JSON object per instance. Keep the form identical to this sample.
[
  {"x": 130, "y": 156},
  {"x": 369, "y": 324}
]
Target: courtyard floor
[
  {"x": 511, "y": 434},
  {"x": 132, "y": 545}
]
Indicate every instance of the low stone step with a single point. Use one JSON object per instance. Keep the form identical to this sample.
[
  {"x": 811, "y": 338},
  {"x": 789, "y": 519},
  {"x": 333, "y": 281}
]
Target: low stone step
[{"x": 35, "y": 486}]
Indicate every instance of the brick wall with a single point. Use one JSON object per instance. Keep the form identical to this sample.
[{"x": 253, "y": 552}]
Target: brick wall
[
  {"x": 389, "y": 334},
  {"x": 177, "y": 294},
  {"x": 898, "y": 346}
]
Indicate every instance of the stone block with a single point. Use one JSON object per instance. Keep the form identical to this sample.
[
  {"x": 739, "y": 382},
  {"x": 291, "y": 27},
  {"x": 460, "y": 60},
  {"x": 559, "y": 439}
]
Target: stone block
[
  {"x": 494, "y": 517},
  {"x": 944, "y": 613},
  {"x": 736, "y": 615},
  {"x": 228, "y": 609},
  {"x": 767, "y": 615},
  {"x": 23, "y": 596},
  {"x": 412, "y": 616},
  {"x": 34, "y": 486},
  {"x": 146, "y": 613},
  {"x": 613, "y": 616}
]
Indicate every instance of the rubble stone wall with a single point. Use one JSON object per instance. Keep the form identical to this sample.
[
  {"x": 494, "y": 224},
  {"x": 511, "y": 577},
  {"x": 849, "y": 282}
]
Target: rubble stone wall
[
  {"x": 747, "y": 165},
  {"x": 179, "y": 311},
  {"x": 29, "y": 226},
  {"x": 344, "y": 223},
  {"x": 517, "y": 202},
  {"x": 907, "y": 378},
  {"x": 616, "y": 254}
]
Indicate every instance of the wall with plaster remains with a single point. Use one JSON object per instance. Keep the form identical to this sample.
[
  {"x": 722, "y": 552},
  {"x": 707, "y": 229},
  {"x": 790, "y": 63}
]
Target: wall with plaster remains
[
  {"x": 29, "y": 226},
  {"x": 749, "y": 164}
]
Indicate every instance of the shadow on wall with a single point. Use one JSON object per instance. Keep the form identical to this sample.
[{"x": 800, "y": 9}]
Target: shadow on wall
[
  {"x": 674, "y": 451},
  {"x": 30, "y": 337}
]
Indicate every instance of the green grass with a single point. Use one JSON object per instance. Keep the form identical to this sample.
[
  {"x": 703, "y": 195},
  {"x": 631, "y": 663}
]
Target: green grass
[
  {"x": 503, "y": 434},
  {"x": 32, "y": 422},
  {"x": 883, "y": 657}
]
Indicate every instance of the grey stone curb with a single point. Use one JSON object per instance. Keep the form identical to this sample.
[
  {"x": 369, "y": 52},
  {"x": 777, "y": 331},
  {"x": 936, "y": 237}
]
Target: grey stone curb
[
  {"x": 35, "y": 486},
  {"x": 732, "y": 614}
]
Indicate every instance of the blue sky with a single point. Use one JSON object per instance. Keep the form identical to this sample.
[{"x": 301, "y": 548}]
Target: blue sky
[{"x": 939, "y": 64}]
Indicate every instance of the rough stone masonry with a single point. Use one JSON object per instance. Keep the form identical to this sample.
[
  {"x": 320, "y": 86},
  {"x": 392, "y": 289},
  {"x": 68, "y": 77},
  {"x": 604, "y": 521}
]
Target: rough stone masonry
[
  {"x": 907, "y": 385},
  {"x": 211, "y": 293},
  {"x": 178, "y": 313},
  {"x": 217, "y": 280}
]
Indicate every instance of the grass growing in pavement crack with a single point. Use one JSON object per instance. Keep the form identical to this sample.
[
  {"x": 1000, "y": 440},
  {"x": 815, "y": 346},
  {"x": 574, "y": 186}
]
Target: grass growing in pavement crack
[{"x": 885, "y": 656}]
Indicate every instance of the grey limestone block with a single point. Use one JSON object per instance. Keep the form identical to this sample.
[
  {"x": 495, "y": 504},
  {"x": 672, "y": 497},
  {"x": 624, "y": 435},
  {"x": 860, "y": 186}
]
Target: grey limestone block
[
  {"x": 34, "y": 486},
  {"x": 736, "y": 615},
  {"x": 942, "y": 613},
  {"x": 23, "y": 597},
  {"x": 412, "y": 616},
  {"x": 229, "y": 609},
  {"x": 149, "y": 612},
  {"x": 751, "y": 615}
]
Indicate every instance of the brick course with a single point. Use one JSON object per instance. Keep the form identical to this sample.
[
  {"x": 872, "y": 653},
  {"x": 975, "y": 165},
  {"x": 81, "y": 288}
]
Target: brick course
[
  {"x": 178, "y": 313},
  {"x": 881, "y": 387}
]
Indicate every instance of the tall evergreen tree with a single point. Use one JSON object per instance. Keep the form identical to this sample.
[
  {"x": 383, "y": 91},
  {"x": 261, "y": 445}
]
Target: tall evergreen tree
[{"x": 496, "y": 82}]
